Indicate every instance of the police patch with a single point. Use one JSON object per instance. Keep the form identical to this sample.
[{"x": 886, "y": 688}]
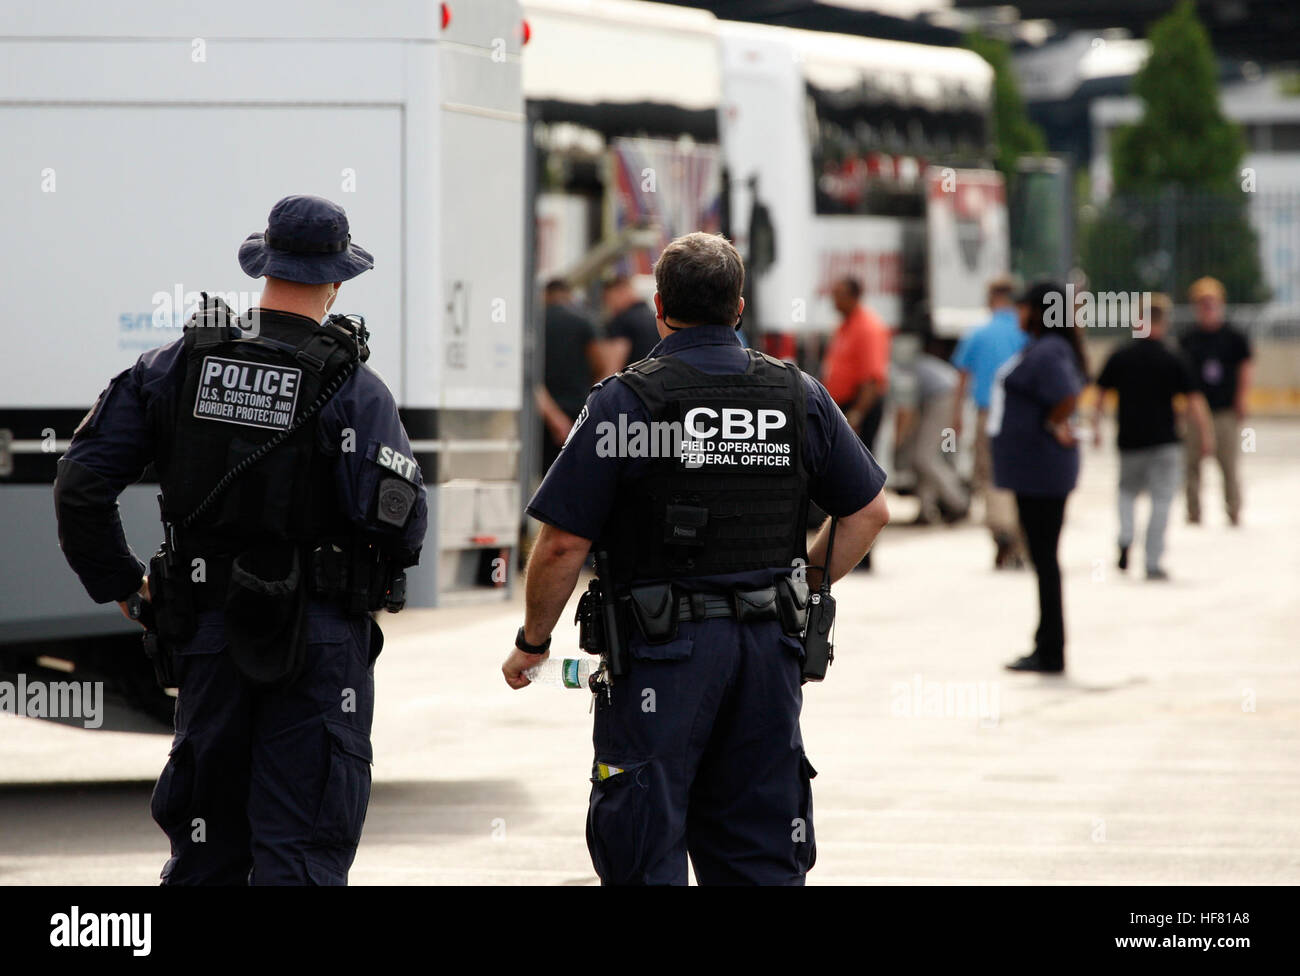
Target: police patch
[
  {"x": 722, "y": 436},
  {"x": 394, "y": 502},
  {"x": 398, "y": 463},
  {"x": 582, "y": 416},
  {"x": 252, "y": 394}
]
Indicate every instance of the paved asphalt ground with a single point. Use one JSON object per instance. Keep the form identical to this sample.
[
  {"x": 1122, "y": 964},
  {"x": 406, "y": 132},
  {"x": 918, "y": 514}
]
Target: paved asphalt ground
[{"x": 1168, "y": 755}]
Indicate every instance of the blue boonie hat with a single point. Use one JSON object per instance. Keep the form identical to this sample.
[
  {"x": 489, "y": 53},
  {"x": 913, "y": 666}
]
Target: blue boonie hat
[{"x": 306, "y": 240}]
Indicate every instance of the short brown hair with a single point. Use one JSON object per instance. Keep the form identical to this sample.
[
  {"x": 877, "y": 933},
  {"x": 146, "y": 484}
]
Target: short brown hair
[
  {"x": 1003, "y": 286},
  {"x": 699, "y": 278},
  {"x": 1206, "y": 287}
]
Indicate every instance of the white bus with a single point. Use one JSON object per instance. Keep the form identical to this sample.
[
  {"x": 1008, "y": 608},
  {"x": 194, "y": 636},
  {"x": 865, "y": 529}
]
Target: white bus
[
  {"x": 144, "y": 141},
  {"x": 822, "y": 151}
]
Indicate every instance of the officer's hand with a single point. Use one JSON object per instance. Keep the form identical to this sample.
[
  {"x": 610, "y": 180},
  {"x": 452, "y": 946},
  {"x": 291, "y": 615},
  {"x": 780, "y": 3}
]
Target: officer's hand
[{"x": 517, "y": 663}]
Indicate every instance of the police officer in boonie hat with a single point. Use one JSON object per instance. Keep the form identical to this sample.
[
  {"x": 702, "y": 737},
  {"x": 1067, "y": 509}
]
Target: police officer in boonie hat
[
  {"x": 263, "y": 590},
  {"x": 307, "y": 241}
]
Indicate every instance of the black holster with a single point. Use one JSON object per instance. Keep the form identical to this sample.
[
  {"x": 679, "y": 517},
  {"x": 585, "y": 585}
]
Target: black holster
[
  {"x": 171, "y": 606},
  {"x": 357, "y": 576},
  {"x": 599, "y": 619},
  {"x": 172, "y": 594},
  {"x": 162, "y": 659}
]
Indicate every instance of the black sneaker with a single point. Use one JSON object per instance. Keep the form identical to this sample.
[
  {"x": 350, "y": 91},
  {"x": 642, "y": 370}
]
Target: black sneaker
[
  {"x": 1123, "y": 557},
  {"x": 1157, "y": 574}
]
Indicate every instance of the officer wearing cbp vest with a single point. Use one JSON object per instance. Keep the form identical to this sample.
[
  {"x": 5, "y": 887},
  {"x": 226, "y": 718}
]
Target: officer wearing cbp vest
[
  {"x": 291, "y": 504},
  {"x": 697, "y": 744}
]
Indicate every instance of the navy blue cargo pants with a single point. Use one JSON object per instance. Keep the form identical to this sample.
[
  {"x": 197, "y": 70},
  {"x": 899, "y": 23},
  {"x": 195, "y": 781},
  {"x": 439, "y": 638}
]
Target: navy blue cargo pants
[
  {"x": 270, "y": 786},
  {"x": 698, "y": 752}
]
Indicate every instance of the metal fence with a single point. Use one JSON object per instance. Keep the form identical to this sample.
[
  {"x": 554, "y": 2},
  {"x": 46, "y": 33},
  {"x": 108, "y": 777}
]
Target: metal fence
[{"x": 1164, "y": 241}]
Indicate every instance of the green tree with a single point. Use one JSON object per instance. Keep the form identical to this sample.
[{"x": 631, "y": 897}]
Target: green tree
[
  {"x": 1016, "y": 135},
  {"x": 1178, "y": 211},
  {"x": 1183, "y": 137}
]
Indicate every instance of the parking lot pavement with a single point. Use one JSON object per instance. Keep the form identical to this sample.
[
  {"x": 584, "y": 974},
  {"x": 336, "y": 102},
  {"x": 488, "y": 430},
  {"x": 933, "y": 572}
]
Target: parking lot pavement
[{"x": 1167, "y": 755}]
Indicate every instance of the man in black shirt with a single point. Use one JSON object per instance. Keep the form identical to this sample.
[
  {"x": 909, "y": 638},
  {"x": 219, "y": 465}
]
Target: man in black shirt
[
  {"x": 1220, "y": 357},
  {"x": 570, "y": 366},
  {"x": 630, "y": 331},
  {"x": 1148, "y": 376}
]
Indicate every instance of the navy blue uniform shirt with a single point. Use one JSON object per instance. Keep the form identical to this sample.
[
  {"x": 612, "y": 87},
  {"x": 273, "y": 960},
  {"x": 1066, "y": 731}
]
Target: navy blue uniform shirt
[
  {"x": 116, "y": 443},
  {"x": 579, "y": 491}
]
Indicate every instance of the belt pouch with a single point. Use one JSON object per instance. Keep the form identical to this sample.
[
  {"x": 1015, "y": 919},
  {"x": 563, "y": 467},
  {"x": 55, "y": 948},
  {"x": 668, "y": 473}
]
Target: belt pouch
[
  {"x": 265, "y": 612},
  {"x": 655, "y": 607},
  {"x": 792, "y": 605},
  {"x": 754, "y": 605}
]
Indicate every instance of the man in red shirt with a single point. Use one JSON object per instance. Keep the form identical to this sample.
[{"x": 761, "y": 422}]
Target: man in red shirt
[{"x": 855, "y": 369}]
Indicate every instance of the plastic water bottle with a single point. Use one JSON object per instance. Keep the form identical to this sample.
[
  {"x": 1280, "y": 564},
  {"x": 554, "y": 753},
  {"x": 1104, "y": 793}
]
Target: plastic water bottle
[{"x": 568, "y": 672}]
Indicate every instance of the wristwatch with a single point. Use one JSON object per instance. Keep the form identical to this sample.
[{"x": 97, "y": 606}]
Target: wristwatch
[
  {"x": 135, "y": 607},
  {"x": 521, "y": 642}
]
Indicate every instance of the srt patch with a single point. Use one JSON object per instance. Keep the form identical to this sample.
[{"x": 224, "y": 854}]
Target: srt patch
[
  {"x": 253, "y": 394},
  {"x": 398, "y": 463}
]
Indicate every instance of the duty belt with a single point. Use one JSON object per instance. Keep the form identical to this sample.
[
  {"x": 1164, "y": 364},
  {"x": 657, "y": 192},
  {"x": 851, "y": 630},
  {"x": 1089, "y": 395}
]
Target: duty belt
[{"x": 744, "y": 605}]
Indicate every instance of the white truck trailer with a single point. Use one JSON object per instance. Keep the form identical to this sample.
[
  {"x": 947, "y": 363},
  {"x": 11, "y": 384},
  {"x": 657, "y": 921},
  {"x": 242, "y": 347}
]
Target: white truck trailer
[{"x": 144, "y": 141}]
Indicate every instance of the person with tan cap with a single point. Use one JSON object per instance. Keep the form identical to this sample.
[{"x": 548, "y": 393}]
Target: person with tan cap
[{"x": 1221, "y": 360}]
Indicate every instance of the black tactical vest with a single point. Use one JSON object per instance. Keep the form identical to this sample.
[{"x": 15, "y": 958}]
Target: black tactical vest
[
  {"x": 734, "y": 495},
  {"x": 240, "y": 390}
]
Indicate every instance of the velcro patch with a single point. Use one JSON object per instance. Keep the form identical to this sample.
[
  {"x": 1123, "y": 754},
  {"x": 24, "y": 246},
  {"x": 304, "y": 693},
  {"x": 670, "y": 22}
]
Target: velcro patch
[
  {"x": 234, "y": 391},
  {"x": 394, "y": 502},
  {"x": 398, "y": 463}
]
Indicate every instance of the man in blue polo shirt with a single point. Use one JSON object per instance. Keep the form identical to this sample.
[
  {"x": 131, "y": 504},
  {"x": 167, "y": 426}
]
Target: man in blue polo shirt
[
  {"x": 697, "y": 746},
  {"x": 978, "y": 357}
]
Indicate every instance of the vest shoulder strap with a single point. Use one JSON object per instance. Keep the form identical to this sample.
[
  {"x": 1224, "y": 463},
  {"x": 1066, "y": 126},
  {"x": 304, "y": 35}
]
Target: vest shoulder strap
[
  {"x": 772, "y": 360},
  {"x": 645, "y": 367},
  {"x": 214, "y": 323}
]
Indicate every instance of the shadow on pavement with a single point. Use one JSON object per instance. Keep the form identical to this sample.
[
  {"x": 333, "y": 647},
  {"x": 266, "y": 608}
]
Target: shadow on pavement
[{"x": 112, "y": 817}]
